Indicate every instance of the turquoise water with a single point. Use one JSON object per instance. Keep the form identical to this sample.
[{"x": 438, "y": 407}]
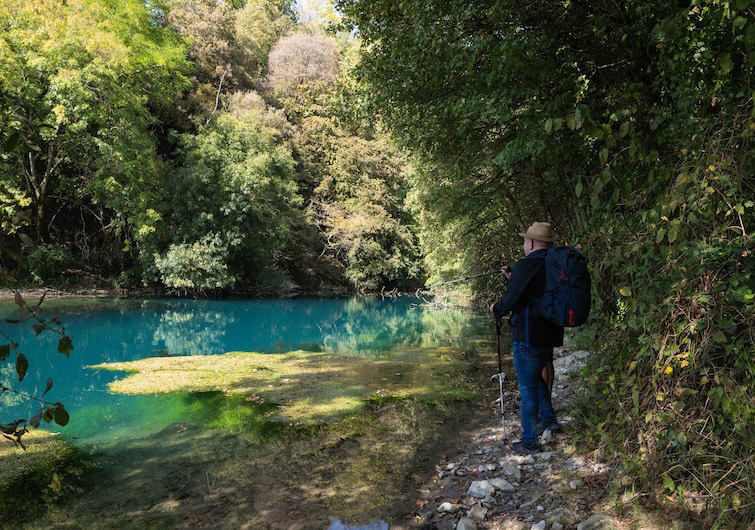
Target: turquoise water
[{"x": 122, "y": 330}]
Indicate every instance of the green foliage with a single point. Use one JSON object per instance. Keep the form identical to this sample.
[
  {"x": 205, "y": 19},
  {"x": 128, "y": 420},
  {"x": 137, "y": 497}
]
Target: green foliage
[
  {"x": 196, "y": 266},
  {"x": 630, "y": 128},
  {"x": 226, "y": 211},
  {"x": 46, "y": 263},
  {"x": 77, "y": 79}
]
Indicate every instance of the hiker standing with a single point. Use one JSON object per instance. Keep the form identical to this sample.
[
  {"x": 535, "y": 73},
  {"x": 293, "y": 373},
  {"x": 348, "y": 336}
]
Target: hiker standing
[{"x": 534, "y": 336}]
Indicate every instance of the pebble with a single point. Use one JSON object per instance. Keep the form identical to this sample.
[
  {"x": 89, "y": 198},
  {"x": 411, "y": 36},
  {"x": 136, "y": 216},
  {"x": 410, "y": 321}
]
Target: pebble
[
  {"x": 538, "y": 526},
  {"x": 465, "y": 523},
  {"x": 452, "y": 467},
  {"x": 501, "y": 484},
  {"x": 482, "y": 469},
  {"x": 447, "y": 507},
  {"x": 544, "y": 456},
  {"x": 546, "y": 436},
  {"x": 477, "y": 513},
  {"x": 557, "y": 526},
  {"x": 480, "y": 489},
  {"x": 574, "y": 484},
  {"x": 529, "y": 459},
  {"x": 539, "y": 508},
  {"x": 597, "y": 521}
]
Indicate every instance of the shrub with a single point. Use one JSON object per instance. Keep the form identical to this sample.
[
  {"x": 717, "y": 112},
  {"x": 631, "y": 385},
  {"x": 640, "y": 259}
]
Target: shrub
[{"x": 46, "y": 263}]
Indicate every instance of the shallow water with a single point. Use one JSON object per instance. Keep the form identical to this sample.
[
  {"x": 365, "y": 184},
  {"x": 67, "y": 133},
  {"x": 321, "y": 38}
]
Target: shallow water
[{"x": 123, "y": 330}]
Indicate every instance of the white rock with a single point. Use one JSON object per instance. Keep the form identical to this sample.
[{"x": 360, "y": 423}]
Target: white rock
[
  {"x": 465, "y": 523},
  {"x": 482, "y": 469},
  {"x": 538, "y": 526},
  {"x": 452, "y": 467},
  {"x": 574, "y": 484},
  {"x": 480, "y": 489},
  {"x": 477, "y": 513},
  {"x": 544, "y": 456},
  {"x": 557, "y": 526},
  {"x": 529, "y": 459},
  {"x": 546, "y": 436},
  {"x": 501, "y": 484},
  {"x": 447, "y": 507},
  {"x": 491, "y": 467},
  {"x": 539, "y": 508}
]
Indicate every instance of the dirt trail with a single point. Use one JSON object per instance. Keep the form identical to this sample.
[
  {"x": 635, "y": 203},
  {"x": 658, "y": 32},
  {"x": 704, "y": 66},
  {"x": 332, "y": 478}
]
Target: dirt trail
[{"x": 559, "y": 488}]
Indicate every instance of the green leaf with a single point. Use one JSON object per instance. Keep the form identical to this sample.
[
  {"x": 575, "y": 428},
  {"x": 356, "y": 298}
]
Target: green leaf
[
  {"x": 578, "y": 189},
  {"x": 673, "y": 231},
  {"x": 22, "y": 365},
  {"x": 668, "y": 483},
  {"x": 739, "y": 22},
  {"x": 4, "y": 351},
  {"x": 61, "y": 416},
  {"x": 743, "y": 4},
  {"x": 65, "y": 345},
  {"x": 38, "y": 328},
  {"x": 549, "y": 125},
  {"x": 625, "y": 291},
  {"x": 726, "y": 64},
  {"x": 719, "y": 337},
  {"x": 603, "y": 156},
  {"x": 659, "y": 236},
  {"x": 624, "y": 129},
  {"x": 557, "y": 122}
]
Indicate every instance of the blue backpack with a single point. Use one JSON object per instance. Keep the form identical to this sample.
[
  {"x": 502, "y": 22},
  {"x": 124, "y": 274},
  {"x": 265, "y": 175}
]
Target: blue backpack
[{"x": 566, "y": 301}]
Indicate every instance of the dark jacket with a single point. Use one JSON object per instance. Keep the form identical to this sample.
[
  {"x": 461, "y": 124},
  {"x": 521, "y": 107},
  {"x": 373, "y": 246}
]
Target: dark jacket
[{"x": 522, "y": 297}]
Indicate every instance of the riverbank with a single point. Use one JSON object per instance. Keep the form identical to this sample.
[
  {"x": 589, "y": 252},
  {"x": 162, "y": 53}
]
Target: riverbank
[{"x": 483, "y": 484}]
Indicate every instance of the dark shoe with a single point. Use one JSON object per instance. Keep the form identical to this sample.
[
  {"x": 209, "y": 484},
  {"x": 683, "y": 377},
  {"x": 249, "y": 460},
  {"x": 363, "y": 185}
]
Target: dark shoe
[
  {"x": 552, "y": 427},
  {"x": 526, "y": 449}
]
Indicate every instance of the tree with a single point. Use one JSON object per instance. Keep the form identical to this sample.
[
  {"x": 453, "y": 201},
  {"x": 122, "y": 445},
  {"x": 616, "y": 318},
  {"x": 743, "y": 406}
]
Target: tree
[
  {"x": 302, "y": 58},
  {"x": 231, "y": 199}
]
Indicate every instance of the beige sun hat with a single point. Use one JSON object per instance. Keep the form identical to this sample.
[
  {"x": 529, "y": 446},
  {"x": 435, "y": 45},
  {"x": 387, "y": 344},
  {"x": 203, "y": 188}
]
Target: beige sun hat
[{"x": 539, "y": 232}]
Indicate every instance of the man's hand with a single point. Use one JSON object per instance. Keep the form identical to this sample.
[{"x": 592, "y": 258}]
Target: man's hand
[
  {"x": 491, "y": 307},
  {"x": 506, "y": 271}
]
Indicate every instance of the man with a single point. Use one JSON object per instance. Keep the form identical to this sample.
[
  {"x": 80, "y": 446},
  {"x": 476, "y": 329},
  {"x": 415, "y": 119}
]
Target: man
[{"x": 534, "y": 336}]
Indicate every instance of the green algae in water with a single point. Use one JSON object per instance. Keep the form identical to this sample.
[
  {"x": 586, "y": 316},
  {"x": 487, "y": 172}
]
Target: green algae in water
[{"x": 305, "y": 386}]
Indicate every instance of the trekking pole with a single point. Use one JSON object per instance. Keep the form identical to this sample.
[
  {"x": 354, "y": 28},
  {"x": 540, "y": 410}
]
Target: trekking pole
[
  {"x": 497, "y": 271},
  {"x": 500, "y": 375}
]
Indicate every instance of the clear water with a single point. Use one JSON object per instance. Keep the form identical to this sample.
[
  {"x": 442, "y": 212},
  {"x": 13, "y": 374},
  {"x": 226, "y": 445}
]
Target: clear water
[{"x": 123, "y": 330}]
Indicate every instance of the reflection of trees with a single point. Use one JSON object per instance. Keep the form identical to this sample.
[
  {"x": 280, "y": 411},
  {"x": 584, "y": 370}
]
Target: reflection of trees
[
  {"x": 372, "y": 325},
  {"x": 196, "y": 331},
  {"x": 8, "y": 377}
]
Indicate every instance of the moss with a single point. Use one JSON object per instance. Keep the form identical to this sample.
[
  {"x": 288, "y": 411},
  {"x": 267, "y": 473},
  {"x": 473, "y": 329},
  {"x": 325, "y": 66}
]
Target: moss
[
  {"x": 306, "y": 386},
  {"x": 32, "y": 480}
]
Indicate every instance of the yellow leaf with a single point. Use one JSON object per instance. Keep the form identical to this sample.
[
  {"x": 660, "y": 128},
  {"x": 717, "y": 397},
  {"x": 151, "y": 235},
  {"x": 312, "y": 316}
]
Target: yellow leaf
[
  {"x": 704, "y": 380},
  {"x": 711, "y": 167},
  {"x": 685, "y": 151},
  {"x": 625, "y": 291},
  {"x": 685, "y": 364},
  {"x": 632, "y": 365},
  {"x": 668, "y": 371}
]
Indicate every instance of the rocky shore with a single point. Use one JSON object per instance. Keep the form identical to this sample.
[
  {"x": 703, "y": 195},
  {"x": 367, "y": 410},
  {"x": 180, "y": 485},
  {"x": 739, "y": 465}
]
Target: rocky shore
[{"x": 488, "y": 486}]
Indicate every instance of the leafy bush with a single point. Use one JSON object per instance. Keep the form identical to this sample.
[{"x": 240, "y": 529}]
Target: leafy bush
[
  {"x": 46, "y": 263},
  {"x": 196, "y": 266}
]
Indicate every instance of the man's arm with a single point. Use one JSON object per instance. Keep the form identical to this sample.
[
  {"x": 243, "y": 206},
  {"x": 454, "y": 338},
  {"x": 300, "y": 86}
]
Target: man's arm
[{"x": 521, "y": 275}]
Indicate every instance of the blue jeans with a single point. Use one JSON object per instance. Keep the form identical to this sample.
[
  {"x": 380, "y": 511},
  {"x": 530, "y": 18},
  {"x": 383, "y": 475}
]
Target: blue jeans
[{"x": 529, "y": 362}]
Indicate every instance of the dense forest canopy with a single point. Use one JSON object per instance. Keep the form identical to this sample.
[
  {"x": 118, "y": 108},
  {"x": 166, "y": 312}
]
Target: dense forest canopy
[
  {"x": 193, "y": 145},
  {"x": 199, "y": 145}
]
